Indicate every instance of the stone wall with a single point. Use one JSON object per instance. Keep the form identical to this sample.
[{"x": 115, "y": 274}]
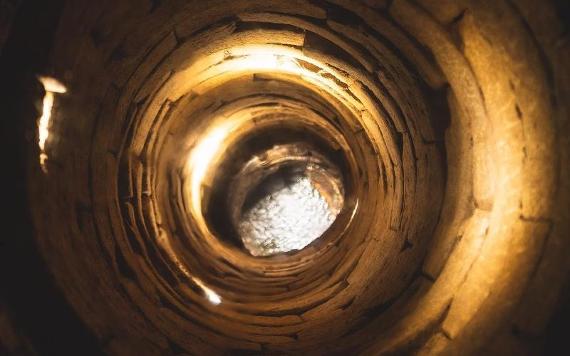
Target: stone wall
[{"x": 452, "y": 117}]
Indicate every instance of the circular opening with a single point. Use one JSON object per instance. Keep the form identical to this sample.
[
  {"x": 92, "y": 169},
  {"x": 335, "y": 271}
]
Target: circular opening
[
  {"x": 284, "y": 193},
  {"x": 294, "y": 204}
]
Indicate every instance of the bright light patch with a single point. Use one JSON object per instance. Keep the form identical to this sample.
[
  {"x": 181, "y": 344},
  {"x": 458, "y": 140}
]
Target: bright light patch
[
  {"x": 51, "y": 86},
  {"x": 201, "y": 157},
  {"x": 212, "y": 296},
  {"x": 260, "y": 61},
  {"x": 264, "y": 61},
  {"x": 288, "y": 219},
  {"x": 43, "y": 125}
]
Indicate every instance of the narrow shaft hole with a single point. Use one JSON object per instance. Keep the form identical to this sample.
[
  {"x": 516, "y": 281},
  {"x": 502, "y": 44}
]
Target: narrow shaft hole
[
  {"x": 290, "y": 209},
  {"x": 277, "y": 192}
]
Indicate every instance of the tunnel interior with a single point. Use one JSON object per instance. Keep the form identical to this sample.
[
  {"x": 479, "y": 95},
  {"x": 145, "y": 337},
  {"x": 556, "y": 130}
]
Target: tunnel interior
[{"x": 281, "y": 177}]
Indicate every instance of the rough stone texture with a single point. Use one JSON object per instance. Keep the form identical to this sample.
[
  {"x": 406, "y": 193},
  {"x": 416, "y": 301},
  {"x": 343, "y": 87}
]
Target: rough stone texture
[{"x": 453, "y": 120}]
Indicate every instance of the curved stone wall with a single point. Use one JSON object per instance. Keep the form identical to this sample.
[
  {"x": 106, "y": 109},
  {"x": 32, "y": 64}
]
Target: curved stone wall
[{"x": 448, "y": 122}]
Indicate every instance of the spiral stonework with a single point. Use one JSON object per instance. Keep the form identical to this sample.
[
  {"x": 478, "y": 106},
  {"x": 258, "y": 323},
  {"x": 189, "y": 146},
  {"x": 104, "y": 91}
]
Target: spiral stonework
[{"x": 435, "y": 132}]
